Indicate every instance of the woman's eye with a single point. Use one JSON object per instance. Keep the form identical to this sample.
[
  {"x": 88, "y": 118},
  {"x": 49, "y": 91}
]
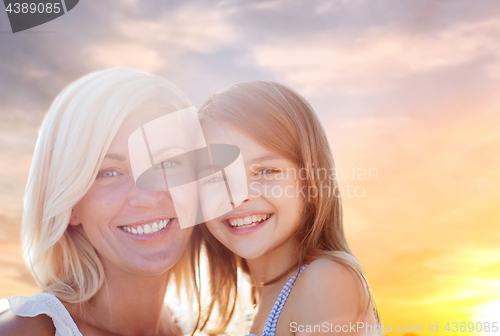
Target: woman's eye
[{"x": 108, "y": 173}]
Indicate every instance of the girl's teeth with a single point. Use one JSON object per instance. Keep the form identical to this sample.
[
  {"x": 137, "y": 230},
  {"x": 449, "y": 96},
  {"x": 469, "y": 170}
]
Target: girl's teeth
[
  {"x": 134, "y": 231},
  {"x": 155, "y": 227},
  {"x": 147, "y": 229},
  {"x": 139, "y": 230},
  {"x": 248, "y": 221}
]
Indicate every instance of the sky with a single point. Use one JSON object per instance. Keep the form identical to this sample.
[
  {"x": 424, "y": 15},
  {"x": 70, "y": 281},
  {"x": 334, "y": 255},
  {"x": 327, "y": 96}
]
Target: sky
[{"x": 405, "y": 89}]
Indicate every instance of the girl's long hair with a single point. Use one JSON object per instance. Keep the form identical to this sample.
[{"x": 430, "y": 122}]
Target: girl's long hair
[{"x": 283, "y": 122}]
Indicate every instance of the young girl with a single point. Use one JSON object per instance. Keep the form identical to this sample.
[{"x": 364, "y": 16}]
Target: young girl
[{"x": 288, "y": 233}]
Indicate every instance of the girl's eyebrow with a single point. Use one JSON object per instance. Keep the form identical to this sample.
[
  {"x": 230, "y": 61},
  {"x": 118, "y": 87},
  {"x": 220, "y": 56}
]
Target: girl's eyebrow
[{"x": 267, "y": 157}]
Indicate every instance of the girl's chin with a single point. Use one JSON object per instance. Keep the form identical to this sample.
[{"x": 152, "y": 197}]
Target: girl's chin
[{"x": 248, "y": 252}]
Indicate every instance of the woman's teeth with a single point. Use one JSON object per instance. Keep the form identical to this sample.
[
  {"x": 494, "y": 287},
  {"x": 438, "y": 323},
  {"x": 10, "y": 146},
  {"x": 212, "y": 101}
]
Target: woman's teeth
[
  {"x": 248, "y": 221},
  {"x": 147, "y": 229}
]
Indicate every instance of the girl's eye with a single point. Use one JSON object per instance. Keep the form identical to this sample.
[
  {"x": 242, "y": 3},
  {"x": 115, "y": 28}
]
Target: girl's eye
[
  {"x": 267, "y": 171},
  {"x": 216, "y": 179},
  {"x": 167, "y": 164}
]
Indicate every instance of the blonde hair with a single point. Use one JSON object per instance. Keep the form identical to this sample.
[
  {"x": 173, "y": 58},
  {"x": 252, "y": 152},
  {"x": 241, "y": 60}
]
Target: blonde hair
[
  {"x": 283, "y": 122},
  {"x": 74, "y": 137}
]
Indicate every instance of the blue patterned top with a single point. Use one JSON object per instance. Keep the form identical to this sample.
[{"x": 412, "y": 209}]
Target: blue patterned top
[{"x": 272, "y": 319}]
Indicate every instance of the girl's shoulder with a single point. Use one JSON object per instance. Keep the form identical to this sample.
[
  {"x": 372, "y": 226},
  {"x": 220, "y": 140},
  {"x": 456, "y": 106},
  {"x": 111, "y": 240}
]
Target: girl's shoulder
[
  {"x": 326, "y": 273},
  {"x": 328, "y": 289}
]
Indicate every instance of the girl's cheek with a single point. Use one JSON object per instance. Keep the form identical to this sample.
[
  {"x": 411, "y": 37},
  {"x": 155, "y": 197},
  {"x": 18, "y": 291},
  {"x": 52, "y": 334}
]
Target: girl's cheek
[{"x": 276, "y": 188}]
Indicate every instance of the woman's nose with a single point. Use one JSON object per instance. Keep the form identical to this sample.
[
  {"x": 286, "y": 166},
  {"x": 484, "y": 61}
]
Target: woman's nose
[{"x": 145, "y": 198}]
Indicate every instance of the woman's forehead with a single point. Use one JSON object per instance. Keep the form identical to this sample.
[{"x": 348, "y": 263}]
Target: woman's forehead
[{"x": 135, "y": 120}]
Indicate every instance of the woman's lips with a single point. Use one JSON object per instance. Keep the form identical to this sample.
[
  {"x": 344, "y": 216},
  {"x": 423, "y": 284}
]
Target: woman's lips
[
  {"x": 166, "y": 224},
  {"x": 146, "y": 228}
]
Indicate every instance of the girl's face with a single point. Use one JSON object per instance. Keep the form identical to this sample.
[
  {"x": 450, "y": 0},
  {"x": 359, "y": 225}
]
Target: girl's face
[
  {"x": 270, "y": 215},
  {"x": 132, "y": 229}
]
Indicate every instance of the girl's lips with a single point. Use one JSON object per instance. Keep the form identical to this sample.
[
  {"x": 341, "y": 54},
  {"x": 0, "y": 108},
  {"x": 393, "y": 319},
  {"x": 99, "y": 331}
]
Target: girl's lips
[{"x": 246, "y": 229}]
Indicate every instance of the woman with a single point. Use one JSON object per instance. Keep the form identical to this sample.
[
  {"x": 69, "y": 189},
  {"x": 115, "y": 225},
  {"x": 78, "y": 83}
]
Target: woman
[{"x": 101, "y": 249}]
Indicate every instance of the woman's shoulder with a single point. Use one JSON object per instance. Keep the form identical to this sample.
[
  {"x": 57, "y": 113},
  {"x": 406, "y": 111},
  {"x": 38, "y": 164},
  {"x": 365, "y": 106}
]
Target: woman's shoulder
[
  {"x": 42, "y": 312},
  {"x": 12, "y": 324}
]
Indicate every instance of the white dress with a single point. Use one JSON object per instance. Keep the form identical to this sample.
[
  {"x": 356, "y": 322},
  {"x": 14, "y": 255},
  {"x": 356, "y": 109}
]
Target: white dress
[
  {"x": 49, "y": 304},
  {"x": 42, "y": 303}
]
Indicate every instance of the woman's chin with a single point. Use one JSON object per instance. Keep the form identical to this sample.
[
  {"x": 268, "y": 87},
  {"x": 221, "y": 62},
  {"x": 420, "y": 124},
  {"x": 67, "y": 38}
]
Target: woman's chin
[
  {"x": 144, "y": 263},
  {"x": 148, "y": 268}
]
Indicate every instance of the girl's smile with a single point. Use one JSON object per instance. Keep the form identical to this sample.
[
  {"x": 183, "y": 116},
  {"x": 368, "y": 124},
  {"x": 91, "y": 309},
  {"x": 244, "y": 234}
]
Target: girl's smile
[
  {"x": 245, "y": 222},
  {"x": 290, "y": 223},
  {"x": 265, "y": 220}
]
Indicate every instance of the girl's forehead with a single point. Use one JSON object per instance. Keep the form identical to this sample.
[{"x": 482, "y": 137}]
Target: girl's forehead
[
  {"x": 227, "y": 134},
  {"x": 251, "y": 149}
]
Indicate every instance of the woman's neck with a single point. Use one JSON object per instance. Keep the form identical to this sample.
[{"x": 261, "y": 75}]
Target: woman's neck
[
  {"x": 273, "y": 263},
  {"x": 127, "y": 304}
]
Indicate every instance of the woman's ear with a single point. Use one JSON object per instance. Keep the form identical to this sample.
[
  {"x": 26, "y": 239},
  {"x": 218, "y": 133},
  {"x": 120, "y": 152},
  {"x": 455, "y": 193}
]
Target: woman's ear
[{"x": 74, "y": 220}]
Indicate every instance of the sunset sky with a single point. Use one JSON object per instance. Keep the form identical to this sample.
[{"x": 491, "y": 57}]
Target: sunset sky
[{"x": 409, "y": 88}]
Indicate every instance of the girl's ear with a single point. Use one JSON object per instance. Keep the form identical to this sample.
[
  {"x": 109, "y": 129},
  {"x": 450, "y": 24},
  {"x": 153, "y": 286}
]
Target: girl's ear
[{"x": 74, "y": 220}]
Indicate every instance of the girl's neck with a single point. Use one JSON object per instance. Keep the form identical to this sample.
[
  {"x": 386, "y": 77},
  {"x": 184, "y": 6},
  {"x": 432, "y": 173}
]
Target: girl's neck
[
  {"x": 272, "y": 264},
  {"x": 127, "y": 304}
]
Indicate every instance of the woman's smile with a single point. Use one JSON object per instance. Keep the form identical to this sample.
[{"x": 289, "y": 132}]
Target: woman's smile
[
  {"x": 147, "y": 229},
  {"x": 130, "y": 227}
]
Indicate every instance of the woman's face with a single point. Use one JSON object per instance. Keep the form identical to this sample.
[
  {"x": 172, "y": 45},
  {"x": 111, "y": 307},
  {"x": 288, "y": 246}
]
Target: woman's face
[
  {"x": 270, "y": 215},
  {"x": 132, "y": 229}
]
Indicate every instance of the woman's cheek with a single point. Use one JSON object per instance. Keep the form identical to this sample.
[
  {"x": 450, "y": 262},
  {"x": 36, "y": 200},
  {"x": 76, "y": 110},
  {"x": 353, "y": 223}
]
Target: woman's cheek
[{"x": 110, "y": 193}]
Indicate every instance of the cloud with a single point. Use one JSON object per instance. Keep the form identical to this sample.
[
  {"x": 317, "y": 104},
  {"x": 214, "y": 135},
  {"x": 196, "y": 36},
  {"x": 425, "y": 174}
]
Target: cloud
[
  {"x": 152, "y": 44},
  {"x": 122, "y": 54},
  {"x": 379, "y": 57}
]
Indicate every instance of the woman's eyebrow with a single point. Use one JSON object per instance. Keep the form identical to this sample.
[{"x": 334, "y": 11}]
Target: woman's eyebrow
[
  {"x": 115, "y": 157},
  {"x": 167, "y": 148}
]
